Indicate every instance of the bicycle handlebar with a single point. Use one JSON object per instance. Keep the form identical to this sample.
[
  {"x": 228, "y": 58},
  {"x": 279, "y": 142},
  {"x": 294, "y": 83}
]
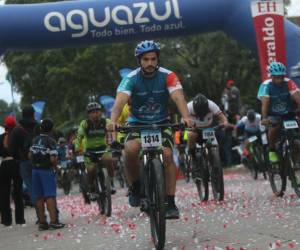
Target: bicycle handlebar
[{"x": 126, "y": 129}]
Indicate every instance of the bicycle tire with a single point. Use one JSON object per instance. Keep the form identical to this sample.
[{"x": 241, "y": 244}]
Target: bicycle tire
[
  {"x": 202, "y": 180},
  {"x": 280, "y": 187},
  {"x": 216, "y": 177},
  {"x": 292, "y": 174},
  {"x": 187, "y": 161},
  {"x": 66, "y": 182},
  {"x": 120, "y": 177},
  {"x": 156, "y": 197},
  {"x": 83, "y": 186},
  {"x": 103, "y": 188}
]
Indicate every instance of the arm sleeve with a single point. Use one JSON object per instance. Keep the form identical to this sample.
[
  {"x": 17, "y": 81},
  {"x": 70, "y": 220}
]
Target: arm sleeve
[
  {"x": 263, "y": 91},
  {"x": 126, "y": 86},
  {"x": 173, "y": 82},
  {"x": 241, "y": 124},
  {"x": 80, "y": 134},
  {"x": 191, "y": 108},
  {"x": 214, "y": 108},
  {"x": 292, "y": 87}
]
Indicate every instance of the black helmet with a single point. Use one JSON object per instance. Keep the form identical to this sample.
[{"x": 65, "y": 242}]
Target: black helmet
[
  {"x": 47, "y": 125},
  {"x": 92, "y": 106},
  {"x": 200, "y": 105},
  {"x": 251, "y": 115}
]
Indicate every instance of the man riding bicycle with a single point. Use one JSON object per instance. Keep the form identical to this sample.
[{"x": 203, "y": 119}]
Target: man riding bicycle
[
  {"x": 148, "y": 89},
  {"x": 203, "y": 111},
  {"x": 93, "y": 130},
  {"x": 278, "y": 96},
  {"x": 248, "y": 126}
]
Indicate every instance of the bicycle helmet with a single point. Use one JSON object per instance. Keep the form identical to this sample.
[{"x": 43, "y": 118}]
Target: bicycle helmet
[
  {"x": 251, "y": 115},
  {"x": 200, "y": 105},
  {"x": 145, "y": 47},
  {"x": 277, "y": 69},
  {"x": 92, "y": 106}
]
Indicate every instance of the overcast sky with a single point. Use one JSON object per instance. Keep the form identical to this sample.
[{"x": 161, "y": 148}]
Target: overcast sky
[{"x": 5, "y": 91}]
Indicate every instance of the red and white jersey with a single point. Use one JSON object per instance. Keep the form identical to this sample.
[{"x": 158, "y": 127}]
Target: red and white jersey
[{"x": 214, "y": 110}]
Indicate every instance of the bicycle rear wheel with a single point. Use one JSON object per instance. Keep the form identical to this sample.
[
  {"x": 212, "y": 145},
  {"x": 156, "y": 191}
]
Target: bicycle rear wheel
[{"x": 156, "y": 193}]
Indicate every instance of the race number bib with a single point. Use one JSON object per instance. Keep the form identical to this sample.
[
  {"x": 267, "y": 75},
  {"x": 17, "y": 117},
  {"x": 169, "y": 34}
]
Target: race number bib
[
  {"x": 252, "y": 138},
  {"x": 208, "y": 134},
  {"x": 151, "y": 138},
  {"x": 264, "y": 138},
  {"x": 291, "y": 124},
  {"x": 79, "y": 159}
]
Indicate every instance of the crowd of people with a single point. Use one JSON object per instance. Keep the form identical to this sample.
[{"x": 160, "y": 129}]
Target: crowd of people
[{"x": 30, "y": 154}]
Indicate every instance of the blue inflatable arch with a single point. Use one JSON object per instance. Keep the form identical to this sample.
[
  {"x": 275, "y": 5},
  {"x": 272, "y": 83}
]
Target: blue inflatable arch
[{"x": 77, "y": 23}]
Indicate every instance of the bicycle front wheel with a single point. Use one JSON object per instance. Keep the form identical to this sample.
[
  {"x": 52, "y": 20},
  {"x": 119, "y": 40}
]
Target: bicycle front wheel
[
  {"x": 217, "y": 178},
  {"x": 201, "y": 177},
  {"x": 104, "y": 191},
  {"x": 277, "y": 178},
  {"x": 294, "y": 173},
  {"x": 157, "y": 203}
]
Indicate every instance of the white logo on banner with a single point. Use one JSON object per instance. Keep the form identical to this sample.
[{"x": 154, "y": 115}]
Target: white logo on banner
[{"x": 121, "y": 15}]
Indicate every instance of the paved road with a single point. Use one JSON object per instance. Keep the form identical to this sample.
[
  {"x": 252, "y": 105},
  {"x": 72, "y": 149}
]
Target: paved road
[{"x": 250, "y": 218}]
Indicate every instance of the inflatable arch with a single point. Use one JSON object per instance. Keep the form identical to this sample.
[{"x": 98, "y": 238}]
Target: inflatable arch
[{"x": 74, "y": 23}]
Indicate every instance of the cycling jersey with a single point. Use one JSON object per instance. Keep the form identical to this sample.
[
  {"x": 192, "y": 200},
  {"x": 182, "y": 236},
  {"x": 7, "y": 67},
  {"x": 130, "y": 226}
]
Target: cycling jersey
[
  {"x": 94, "y": 134},
  {"x": 250, "y": 127},
  {"x": 207, "y": 120},
  {"x": 43, "y": 147},
  {"x": 280, "y": 96},
  {"x": 149, "y": 96}
]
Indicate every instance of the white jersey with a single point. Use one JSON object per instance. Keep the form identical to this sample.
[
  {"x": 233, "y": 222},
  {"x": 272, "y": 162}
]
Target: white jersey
[
  {"x": 214, "y": 110},
  {"x": 250, "y": 126}
]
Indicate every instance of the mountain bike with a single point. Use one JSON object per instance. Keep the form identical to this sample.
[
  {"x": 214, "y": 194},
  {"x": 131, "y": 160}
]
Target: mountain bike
[
  {"x": 153, "y": 177},
  {"x": 206, "y": 166},
  {"x": 257, "y": 162},
  {"x": 288, "y": 148},
  {"x": 103, "y": 182}
]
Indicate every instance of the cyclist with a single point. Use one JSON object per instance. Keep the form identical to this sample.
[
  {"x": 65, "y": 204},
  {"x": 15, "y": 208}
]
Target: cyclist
[
  {"x": 278, "y": 95},
  {"x": 250, "y": 126},
  {"x": 93, "y": 130},
  {"x": 63, "y": 152},
  {"x": 203, "y": 111},
  {"x": 148, "y": 88}
]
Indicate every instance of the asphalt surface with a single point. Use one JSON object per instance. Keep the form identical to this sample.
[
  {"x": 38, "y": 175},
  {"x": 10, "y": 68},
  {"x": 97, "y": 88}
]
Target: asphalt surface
[{"x": 250, "y": 218}]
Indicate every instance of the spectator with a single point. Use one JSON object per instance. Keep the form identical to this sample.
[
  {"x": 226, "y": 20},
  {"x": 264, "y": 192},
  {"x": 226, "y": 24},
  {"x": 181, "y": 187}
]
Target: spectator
[
  {"x": 20, "y": 142},
  {"x": 10, "y": 174},
  {"x": 231, "y": 101},
  {"x": 44, "y": 159}
]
